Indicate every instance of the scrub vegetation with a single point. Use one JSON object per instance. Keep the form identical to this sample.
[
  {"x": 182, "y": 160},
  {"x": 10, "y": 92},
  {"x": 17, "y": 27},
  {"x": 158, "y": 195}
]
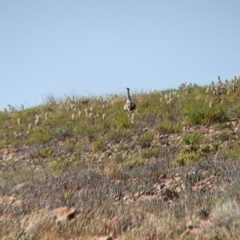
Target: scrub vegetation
[{"x": 83, "y": 168}]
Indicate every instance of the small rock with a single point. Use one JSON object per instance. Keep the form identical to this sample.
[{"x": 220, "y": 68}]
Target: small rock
[{"x": 64, "y": 213}]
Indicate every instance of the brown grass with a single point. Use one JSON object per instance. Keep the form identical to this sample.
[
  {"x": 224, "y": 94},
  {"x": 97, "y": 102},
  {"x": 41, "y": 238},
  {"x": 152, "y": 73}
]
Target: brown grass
[{"x": 167, "y": 173}]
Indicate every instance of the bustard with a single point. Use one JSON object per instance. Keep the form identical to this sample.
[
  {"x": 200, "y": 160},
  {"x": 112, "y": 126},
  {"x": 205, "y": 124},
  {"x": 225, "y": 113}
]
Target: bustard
[{"x": 129, "y": 105}]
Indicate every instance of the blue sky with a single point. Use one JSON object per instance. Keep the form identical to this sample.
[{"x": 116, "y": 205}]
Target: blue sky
[{"x": 97, "y": 47}]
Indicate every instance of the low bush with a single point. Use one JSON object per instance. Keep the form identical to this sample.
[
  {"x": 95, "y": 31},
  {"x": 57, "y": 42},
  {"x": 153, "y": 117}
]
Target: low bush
[
  {"x": 207, "y": 116},
  {"x": 168, "y": 127}
]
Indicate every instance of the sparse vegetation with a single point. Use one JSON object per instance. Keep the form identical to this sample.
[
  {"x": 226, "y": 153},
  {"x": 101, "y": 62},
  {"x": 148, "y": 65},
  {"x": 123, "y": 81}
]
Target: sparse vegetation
[{"x": 170, "y": 170}]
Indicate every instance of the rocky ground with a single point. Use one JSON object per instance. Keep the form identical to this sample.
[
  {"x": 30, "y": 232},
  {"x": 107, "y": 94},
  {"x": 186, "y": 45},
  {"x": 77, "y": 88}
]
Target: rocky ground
[
  {"x": 84, "y": 169},
  {"x": 153, "y": 183}
]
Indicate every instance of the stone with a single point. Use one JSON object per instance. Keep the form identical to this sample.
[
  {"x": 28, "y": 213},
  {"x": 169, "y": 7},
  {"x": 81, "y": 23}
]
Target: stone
[{"x": 64, "y": 213}]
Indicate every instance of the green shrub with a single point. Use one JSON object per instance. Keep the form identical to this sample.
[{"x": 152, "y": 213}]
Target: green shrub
[
  {"x": 70, "y": 144},
  {"x": 208, "y": 148},
  {"x": 123, "y": 121},
  {"x": 58, "y": 164},
  {"x": 78, "y": 154},
  {"x": 190, "y": 139},
  {"x": 207, "y": 115},
  {"x": 191, "y": 150},
  {"x": 168, "y": 127},
  {"x": 69, "y": 193},
  {"x": 97, "y": 144},
  {"x": 220, "y": 126},
  {"x": 116, "y": 136},
  {"x": 38, "y": 136},
  {"x": 150, "y": 152},
  {"x": 145, "y": 139},
  {"x": 45, "y": 152},
  {"x": 132, "y": 162},
  {"x": 225, "y": 135},
  {"x": 233, "y": 153},
  {"x": 147, "y": 136},
  {"x": 187, "y": 156}
]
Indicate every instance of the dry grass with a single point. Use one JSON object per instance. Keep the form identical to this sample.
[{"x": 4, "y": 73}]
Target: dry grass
[{"x": 166, "y": 172}]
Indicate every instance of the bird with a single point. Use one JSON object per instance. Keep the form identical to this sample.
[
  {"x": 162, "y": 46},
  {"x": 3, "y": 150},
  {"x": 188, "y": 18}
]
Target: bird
[{"x": 129, "y": 105}]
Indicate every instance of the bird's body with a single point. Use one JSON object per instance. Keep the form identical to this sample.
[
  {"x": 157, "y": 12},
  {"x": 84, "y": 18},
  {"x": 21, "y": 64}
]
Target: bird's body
[{"x": 129, "y": 105}]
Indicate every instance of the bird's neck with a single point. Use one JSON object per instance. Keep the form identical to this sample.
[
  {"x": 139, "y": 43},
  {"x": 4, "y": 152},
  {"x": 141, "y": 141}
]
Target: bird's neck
[{"x": 128, "y": 97}]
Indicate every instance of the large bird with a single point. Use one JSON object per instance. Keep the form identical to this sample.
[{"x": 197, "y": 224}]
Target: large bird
[{"x": 129, "y": 105}]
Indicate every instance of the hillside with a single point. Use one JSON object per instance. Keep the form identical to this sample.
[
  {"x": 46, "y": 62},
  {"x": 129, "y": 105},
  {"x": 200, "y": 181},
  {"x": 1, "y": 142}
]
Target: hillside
[{"x": 83, "y": 168}]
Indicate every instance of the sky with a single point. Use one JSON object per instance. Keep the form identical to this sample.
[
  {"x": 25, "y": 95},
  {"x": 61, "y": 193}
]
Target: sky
[{"x": 62, "y": 48}]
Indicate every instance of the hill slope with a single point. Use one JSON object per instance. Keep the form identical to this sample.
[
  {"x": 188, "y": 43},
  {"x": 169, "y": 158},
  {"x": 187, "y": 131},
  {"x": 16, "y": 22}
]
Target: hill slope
[{"x": 169, "y": 170}]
